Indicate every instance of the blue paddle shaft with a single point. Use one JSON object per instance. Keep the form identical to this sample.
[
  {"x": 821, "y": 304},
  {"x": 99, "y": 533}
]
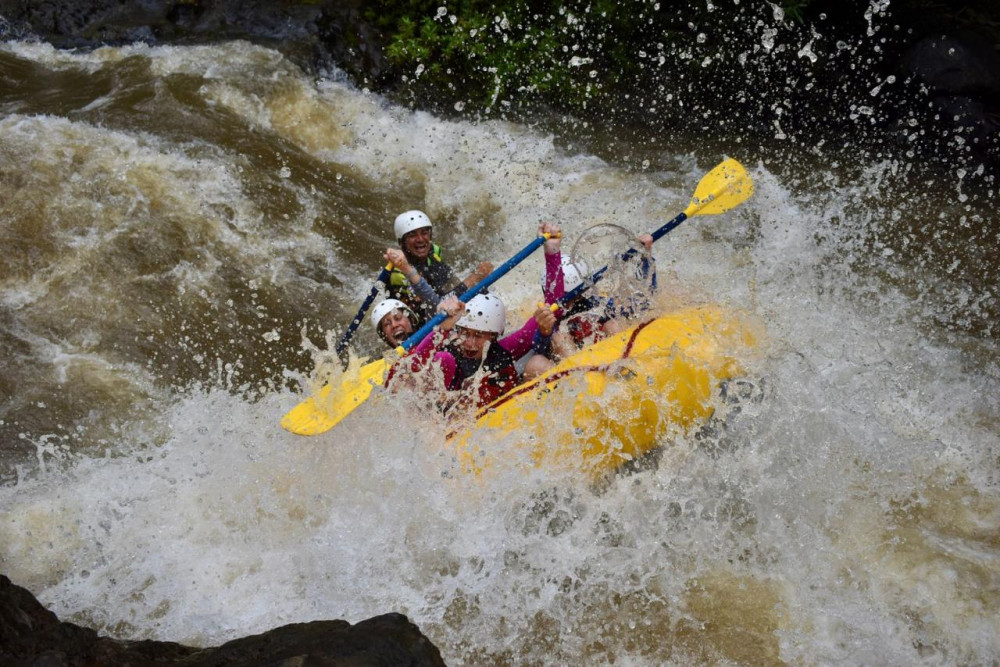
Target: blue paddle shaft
[
  {"x": 495, "y": 275},
  {"x": 383, "y": 278}
]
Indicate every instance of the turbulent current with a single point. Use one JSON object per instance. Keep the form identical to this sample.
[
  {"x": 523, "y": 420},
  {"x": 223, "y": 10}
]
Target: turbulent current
[{"x": 187, "y": 229}]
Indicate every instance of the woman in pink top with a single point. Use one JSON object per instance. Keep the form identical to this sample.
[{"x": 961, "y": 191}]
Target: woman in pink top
[{"x": 476, "y": 361}]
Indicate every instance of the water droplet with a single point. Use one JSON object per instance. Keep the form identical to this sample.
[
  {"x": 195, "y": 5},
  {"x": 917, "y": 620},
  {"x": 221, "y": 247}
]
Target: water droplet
[{"x": 767, "y": 39}]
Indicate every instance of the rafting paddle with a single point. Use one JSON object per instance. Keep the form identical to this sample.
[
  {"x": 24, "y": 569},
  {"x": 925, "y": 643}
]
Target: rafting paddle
[
  {"x": 382, "y": 279},
  {"x": 318, "y": 414},
  {"x": 725, "y": 187}
]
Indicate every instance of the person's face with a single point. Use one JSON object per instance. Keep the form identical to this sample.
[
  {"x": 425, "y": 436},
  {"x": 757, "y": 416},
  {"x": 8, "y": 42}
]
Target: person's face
[
  {"x": 396, "y": 327},
  {"x": 418, "y": 243},
  {"x": 472, "y": 343}
]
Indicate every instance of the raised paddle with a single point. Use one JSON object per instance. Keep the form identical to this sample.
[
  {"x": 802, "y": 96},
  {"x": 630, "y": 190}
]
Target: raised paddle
[
  {"x": 318, "y": 414},
  {"x": 725, "y": 187},
  {"x": 383, "y": 279}
]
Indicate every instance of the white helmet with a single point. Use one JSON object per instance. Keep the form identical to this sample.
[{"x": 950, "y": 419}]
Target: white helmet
[
  {"x": 409, "y": 221},
  {"x": 386, "y": 306},
  {"x": 484, "y": 312},
  {"x": 573, "y": 272}
]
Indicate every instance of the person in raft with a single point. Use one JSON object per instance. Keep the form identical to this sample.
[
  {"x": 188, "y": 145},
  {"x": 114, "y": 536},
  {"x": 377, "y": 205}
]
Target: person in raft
[
  {"x": 419, "y": 260},
  {"x": 394, "y": 321},
  {"x": 584, "y": 320},
  {"x": 469, "y": 353}
]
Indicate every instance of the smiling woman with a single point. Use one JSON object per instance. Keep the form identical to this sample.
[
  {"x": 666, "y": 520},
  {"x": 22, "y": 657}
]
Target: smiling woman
[
  {"x": 476, "y": 362},
  {"x": 393, "y": 321}
]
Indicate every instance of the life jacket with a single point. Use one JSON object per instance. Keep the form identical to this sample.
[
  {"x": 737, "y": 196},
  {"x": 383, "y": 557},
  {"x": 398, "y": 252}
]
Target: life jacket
[
  {"x": 584, "y": 329},
  {"x": 583, "y": 324},
  {"x": 434, "y": 270},
  {"x": 497, "y": 377}
]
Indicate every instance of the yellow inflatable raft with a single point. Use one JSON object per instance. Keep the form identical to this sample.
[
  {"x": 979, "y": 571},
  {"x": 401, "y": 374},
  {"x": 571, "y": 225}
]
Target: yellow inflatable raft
[{"x": 625, "y": 395}]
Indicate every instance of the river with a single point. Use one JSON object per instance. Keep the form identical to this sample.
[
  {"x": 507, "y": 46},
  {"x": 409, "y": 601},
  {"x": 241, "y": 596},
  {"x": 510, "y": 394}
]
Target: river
[{"x": 187, "y": 228}]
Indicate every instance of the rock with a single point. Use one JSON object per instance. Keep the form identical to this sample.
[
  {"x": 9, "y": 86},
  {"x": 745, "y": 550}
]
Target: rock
[
  {"x": 383, "y": 640},
  {"x": 32, "y": 635},
  {"x": 313, "y": 33},
  {"x": 88, "y": 22},
  {"x": 353, "y": 44},
  {"x": 96, "y": 22}
]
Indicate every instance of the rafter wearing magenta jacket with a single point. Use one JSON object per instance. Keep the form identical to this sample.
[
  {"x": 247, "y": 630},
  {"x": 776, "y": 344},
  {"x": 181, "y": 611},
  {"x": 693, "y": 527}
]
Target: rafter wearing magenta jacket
[{"x": 476, "y": 361}]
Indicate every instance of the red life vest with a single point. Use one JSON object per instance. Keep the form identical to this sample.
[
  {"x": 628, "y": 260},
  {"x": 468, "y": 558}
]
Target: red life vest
[
  {"x": 584, "y": 329},
  {"x": 500, "y": 375}
]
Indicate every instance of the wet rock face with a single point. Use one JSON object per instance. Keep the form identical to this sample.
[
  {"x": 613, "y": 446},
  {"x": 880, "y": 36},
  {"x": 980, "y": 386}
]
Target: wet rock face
[
  {"x": 94, "y": 22},
  {"x": 32, "y": 635},
  {"x": 313, "y": 33}
]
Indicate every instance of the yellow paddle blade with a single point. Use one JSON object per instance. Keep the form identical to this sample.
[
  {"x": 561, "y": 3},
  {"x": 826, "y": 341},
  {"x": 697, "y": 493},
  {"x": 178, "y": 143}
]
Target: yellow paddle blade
[
  {"x": 318, "y": 414},
  {"x": 723, "y": 188}
]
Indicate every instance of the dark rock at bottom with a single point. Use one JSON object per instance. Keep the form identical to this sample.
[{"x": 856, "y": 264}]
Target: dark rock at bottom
[{"x": 32, "y": 635}]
